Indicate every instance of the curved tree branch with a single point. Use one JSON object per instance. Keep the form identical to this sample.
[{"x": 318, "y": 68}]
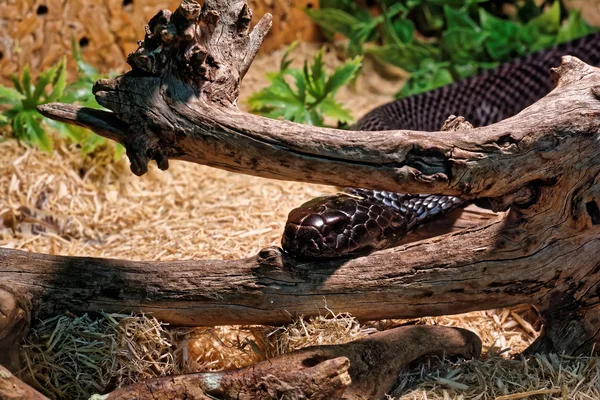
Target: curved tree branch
[{"x": 525, "y": 148}]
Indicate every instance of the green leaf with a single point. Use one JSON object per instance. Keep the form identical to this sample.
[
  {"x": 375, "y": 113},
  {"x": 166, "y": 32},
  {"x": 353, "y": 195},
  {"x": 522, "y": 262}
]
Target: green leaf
[
  {"x": 278, "y": 94},
  {"x": 26, "y": 82},
  {"x": 312, "y": 117},
  {"x": 456, "y": 19},
  {"x": 80, "y": 93},
  {"x": 17, "y": 84},
  {"x": 502, "y": 40},
  {"x": 575, "y": 27},
  {"x": 540, "y": 32},
  {"x": 44, "y": 80},
  {"x": 414, "y": 3},
  {"x": 317, "y": 71},
  {"x": 59, "y": 83},
  {"x": 315, "y": 76},
  {"x": 36, "y": 133},
  {"x": 307, "y": 79},
  {"x": 431, "y": 20},
  {"x": 13, "y": 112},
  {"x": 399, "y": 31},
  {"x": 549, "y": 21},
  {"x": 442, "y": 77},
  {"x": 335, "y": 110},
  {"x": 342, "y": 75},
  {"x": 463, "y": 45},
  {"x": 9, "y": 96},
  {"x": 19, "y": 129},
  {"x": 277, "y": 100},
  {"x": 313, "y": 88},
  {"x": 431, "y": 76},
  {"x": 285, "y": 61},
  {"x": 300, "y": 84}
]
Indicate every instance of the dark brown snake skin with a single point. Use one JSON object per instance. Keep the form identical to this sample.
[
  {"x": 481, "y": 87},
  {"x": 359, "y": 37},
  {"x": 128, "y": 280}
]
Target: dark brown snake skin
[{"x": 358, "y": 221}]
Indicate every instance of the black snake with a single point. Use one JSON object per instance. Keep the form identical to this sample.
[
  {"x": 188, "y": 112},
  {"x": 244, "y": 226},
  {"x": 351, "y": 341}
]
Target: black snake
[{"x": 358, "y": 221}]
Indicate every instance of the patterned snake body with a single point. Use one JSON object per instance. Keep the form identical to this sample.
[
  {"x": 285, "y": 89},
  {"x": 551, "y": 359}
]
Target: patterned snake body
[{"x": 358, "y": 221}]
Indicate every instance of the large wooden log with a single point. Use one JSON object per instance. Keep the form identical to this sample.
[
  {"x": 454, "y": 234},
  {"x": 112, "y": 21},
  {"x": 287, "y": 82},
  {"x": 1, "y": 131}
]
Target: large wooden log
[{"x": 178, "y": 102}]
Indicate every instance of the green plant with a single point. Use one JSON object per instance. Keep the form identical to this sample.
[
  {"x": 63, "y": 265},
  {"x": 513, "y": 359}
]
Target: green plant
[
  {"x": 456, "y": 38},
  {"x": 311, "y": 98},
  {"x": 20, "y": 104},
  {"x": 25, "y": 97}
]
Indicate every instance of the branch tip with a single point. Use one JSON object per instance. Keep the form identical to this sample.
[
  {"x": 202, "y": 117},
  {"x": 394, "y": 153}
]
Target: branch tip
[{"x": 570, "y": 69}]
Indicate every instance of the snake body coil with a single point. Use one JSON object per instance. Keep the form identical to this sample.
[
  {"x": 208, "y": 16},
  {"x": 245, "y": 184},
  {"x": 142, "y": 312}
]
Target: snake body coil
[{"x": 358, "y": 221}]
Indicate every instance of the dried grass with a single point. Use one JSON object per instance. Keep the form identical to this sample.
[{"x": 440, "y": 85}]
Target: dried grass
[
  {"x": 320, "y": 330},
  {"x": 67, "y": 356},
  {"x": 193, "y": 212},
  {"x": 538, "y": 377}
]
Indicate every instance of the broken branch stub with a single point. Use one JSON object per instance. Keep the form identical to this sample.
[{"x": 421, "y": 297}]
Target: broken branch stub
[{"x": 193, "y": 53}]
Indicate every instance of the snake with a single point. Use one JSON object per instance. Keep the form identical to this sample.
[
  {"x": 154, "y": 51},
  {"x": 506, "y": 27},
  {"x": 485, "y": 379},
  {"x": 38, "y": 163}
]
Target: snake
[{"x": 357, "y": 221}]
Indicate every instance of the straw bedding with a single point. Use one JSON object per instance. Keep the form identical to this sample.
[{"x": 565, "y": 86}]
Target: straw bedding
[{"x": 93, "y": 206}]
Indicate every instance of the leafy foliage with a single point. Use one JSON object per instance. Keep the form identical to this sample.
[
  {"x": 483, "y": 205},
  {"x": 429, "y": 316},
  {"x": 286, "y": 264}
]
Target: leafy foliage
[
  {"x": 25, "y": 97},
  {"x": 312, "y": 98},
  {"x": 455, "y": 39},
  {"x": 21, "y": 104}
]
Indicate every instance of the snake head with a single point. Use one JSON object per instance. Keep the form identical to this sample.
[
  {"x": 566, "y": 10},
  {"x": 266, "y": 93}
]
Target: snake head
[{"x": 341, "y": 225}]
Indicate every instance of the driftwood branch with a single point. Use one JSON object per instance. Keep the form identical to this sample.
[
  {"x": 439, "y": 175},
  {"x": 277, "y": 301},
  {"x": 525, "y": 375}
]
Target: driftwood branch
[
  {"x": 364, "y": 369},
  {"x": 12, "y": 388},
  {"x": 178, "y": 102},
  {"x": 14, "y": 324}
]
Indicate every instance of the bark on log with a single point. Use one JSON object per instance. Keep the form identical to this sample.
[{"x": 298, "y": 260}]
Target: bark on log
[
  {"x": 14, "y": 324},
  {"x": 179, "y": 102},
  {"x": 12, "y": 388},
  {"x": 363, "y": 369}
]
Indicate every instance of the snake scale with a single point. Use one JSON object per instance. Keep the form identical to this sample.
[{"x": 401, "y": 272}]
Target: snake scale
[{"x": 358, "y": 221}]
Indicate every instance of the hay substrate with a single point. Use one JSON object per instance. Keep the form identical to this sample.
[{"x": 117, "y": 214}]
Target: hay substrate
[{"x": 98, "y": 208}]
